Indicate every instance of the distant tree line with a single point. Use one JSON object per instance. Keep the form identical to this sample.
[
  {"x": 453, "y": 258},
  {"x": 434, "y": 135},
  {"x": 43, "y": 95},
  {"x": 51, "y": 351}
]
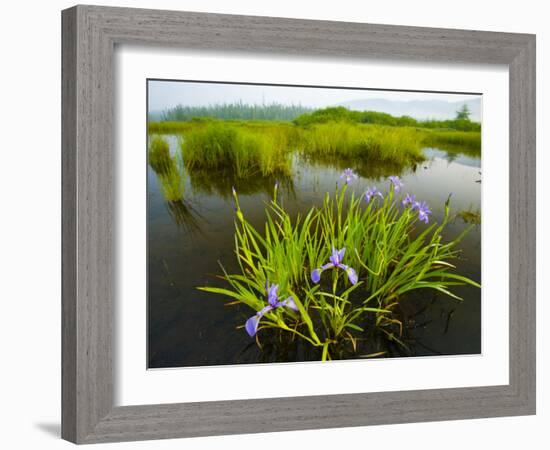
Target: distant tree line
[
  {"x": 305, "y": 116},
  {"x": 235, "y": 111},
  {"x": 461, "y": 122}
]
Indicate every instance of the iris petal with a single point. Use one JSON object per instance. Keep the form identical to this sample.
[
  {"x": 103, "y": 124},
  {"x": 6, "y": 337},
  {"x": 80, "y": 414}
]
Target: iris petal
[
  {"x": 316, "y": 276},
  {"x": 251, "y": 325},
  {"x": 341, "y": 254},
  {"x": 352, "y": 275},
  {"x": 289, "y": 303},
  {"x": 272, "y": 294}
]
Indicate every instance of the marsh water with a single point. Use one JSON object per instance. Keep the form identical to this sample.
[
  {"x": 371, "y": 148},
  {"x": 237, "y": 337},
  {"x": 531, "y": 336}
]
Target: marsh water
[{"x": 188, "y": 240}]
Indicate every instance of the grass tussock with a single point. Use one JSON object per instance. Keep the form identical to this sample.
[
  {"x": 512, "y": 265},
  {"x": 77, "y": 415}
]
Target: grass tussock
[
  {"x": 159, "y": 155},
  {"x": 251, "y": 150},
  {"x": 169, "y": 169},
  {"x": 364, "y": 142}
]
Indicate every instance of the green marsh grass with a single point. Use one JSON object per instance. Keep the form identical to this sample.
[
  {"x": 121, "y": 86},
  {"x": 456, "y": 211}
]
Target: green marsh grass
[
  {"x": 169, "y": 169},
  {"x": 160, "y": 159},
  {"x": 248, "y": 150},
  {"x": 172, "y": 127},
  {"x": 459, "y": 140},
  {"x": 363, "y": 142},
  {"x": 251, "y": 148},
  {"x": 384, "y": 244}
]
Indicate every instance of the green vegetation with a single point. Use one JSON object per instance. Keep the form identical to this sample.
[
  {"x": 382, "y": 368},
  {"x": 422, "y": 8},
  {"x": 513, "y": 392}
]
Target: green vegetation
[
  {"x": 402, "y": 146},
  {"x": 303, "y": 117},
  {"x": 235, "y": 111},
  {"x": 263, "y": 149},
  {"x": 341, "y": 114},
  {"x": 252, "y": 148},
  {"x": 246, "y": 150},
  {"x": 169, "y": 169},
  {"x": 241, "y": 149},
  {"x": 253, "y": 154},
  {"x": 333, "y": 306},
  {"x": 172, "y": 127},
  {"x": 463, "y": 113},
  {"x": 445, "y": 139},
  {"x": 159, "y": 155}
]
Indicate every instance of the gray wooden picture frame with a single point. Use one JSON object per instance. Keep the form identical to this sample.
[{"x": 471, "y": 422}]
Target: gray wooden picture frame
[{"x": 90, "y": 34}]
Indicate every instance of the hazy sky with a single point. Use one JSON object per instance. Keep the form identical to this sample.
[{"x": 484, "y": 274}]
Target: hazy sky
[{"x": 167, "y": 94}]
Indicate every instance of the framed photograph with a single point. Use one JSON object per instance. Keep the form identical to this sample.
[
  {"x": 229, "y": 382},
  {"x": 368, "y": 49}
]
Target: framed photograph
[{"x": 264, "y": 228}]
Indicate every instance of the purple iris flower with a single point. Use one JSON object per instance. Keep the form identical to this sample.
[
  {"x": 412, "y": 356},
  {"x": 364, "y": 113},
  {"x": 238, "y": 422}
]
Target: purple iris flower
[
  {"x": 335, "y": 262},
  {"x": 349, "y": 175},
  {"x": 410, "y": 199},
  {"x": 371, "y": 193},
  {"x": 251, "y": 324},
  {"x": 423, "y": 211},
  {"x": 397, "y": 183}
]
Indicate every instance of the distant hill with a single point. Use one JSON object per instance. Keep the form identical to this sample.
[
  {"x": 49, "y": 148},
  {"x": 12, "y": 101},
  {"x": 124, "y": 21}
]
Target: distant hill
[{"x": 418, "y": 109}]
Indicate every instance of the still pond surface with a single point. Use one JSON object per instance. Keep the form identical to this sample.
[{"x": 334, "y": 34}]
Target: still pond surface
[{"x": 187, "y": 241}]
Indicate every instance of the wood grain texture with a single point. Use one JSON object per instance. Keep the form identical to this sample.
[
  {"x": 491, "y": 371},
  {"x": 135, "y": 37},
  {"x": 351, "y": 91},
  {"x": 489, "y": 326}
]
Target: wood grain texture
[
  {"x": 89, "y": 36},
  {"x": 68, "y": 225}
]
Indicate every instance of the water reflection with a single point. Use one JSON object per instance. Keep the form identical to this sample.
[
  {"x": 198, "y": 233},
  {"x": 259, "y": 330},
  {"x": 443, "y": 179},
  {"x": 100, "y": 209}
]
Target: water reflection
[
  {"x": 185, "y": 216},
  {"x": 463, "y": 157},
  {"x": 221, "y": 182},
  {"x": 188, "y": 327},
  {"x": 373, "y": 170}
]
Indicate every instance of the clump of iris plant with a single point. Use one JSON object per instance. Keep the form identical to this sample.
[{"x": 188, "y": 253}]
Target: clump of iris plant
[
  {"x": 252, "y": 323},
  {"x": 335, "y": 262},
  {"x": 349, "y": 175},
  {"x": 391, "y": 262}
]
